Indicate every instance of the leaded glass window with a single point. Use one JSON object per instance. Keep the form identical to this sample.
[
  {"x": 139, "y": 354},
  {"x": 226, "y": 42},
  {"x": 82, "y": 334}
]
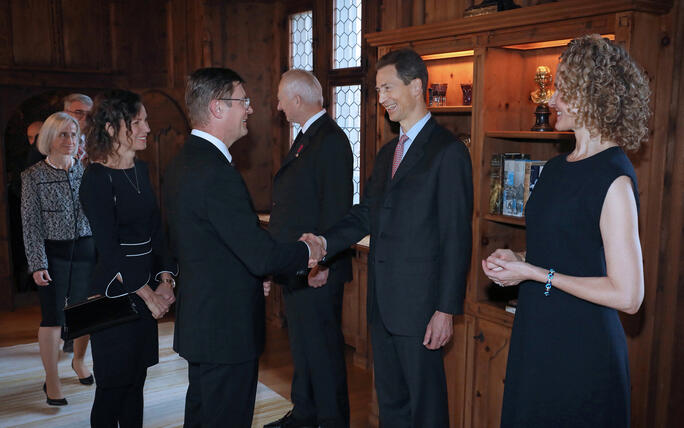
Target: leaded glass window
[
  {"x": 347, "y": 34},
  {"x": 347, "y": 114},
  {"x": 301, "y": 49}
]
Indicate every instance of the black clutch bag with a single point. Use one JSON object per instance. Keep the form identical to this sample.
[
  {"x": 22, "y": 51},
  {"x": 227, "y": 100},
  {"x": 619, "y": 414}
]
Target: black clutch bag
[{"x": 98, "y": 314}]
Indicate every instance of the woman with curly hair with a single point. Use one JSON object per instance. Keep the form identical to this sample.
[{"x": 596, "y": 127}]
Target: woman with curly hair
[
  {"x": 118, "y": 199},
  {"x": 568, "y": 363}
]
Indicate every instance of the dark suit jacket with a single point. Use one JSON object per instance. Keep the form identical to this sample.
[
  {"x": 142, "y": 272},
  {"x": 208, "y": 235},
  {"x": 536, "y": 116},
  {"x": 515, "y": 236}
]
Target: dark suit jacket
[
  {"x": 420, "y": 227},
  {"x": 312, "y": 190},
  {"x": 222, "y": 252}
]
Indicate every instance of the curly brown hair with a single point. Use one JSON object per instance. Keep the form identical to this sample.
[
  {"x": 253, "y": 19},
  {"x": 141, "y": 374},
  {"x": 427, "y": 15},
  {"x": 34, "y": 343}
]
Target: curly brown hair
[
  {"x": 608, "y": 89},
  {"x": 110, "y": 108}
]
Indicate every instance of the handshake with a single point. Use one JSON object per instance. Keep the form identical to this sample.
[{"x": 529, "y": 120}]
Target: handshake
[
  {"x": 318, "y": 275},
  {"x": 317, "y": 246}
]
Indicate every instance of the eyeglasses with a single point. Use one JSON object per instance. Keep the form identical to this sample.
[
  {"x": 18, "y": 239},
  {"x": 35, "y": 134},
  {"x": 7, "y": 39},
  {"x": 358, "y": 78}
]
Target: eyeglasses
[
  {"x": 78, "y": 114},
  {"x": 245, "y": 101}
]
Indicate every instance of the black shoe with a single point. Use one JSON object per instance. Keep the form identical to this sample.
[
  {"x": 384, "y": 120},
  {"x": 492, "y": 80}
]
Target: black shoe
[
  {"x": 68, "y": 346},
  {"x": 289, "y": 421},
  {"x": 84, "y": 380},
  {"x": 54, "y": 401}
]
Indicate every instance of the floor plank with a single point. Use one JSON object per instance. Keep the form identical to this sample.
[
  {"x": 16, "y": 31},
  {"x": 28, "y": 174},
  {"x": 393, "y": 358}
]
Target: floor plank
[{"x": 275, "y": 369}]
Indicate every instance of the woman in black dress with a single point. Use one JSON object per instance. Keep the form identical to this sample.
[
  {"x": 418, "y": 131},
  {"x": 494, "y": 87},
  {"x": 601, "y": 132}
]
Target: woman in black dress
[
  {"x": 568, "y": 364},
  {"x": 119, "y": 201},
  {"x": 58, "y": 242}
]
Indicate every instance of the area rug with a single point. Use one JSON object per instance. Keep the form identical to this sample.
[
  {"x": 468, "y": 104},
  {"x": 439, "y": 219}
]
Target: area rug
[{"x": 22, "y": 401}]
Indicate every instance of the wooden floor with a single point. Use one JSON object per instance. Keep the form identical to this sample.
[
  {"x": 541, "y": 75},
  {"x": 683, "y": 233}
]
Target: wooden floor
[{"x": 275, "y": 366}]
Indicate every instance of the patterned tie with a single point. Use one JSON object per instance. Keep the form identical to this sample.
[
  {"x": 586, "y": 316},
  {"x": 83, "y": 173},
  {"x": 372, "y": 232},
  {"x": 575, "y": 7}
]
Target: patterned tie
[{"x": 398, "y": 153}]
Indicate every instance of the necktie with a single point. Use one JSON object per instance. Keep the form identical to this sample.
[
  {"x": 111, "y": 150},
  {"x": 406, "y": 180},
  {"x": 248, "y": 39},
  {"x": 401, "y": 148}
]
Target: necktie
[
  {"x": 398, "y": 153},
  {"x": 296, "y": 146}
]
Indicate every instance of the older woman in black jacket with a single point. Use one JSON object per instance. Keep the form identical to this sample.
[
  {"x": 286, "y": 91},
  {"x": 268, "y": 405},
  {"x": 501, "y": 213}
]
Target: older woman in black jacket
[{"x": 59, "y": 247}]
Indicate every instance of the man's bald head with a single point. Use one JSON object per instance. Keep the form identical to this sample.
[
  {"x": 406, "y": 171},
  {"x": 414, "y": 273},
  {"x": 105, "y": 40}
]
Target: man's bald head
[
  {"x": 299, "y": 95},
  {"x": 304, "y": 84}
]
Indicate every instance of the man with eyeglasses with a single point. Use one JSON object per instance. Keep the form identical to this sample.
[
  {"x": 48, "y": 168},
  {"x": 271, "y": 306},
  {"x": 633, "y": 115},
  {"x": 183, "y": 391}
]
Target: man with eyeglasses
[
  {"x": 223, "y": 254},
  {"x": 78, "y": 106}
]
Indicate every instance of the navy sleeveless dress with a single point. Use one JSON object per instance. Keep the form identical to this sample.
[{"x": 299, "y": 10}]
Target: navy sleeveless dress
[{"x": 568, "y": 365}]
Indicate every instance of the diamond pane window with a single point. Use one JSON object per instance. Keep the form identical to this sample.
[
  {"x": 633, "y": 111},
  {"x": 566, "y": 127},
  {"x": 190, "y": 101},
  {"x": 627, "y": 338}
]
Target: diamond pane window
[
  {"x": 347, "y": 34},
  {"x": 301, "y": 48},
  {"x": 347, "y": 114}
]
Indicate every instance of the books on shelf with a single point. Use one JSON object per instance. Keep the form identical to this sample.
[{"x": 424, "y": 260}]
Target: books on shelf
[{"x": 512, "y": 179}]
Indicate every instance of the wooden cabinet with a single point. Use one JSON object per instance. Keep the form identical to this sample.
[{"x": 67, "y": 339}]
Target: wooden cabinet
[
  {"x": 354, "y": 324},
  {"x": 499, "y": 54},
  {"x": 489, "y": 366}
]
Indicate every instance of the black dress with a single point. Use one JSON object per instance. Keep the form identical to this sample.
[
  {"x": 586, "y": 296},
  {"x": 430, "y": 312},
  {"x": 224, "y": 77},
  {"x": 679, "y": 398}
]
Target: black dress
[
  {"x": 568, "y": 364},
  {"x": 129, "y": 242}
]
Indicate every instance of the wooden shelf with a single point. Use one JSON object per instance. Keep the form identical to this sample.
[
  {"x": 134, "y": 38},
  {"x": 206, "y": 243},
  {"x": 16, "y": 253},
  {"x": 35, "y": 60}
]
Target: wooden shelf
[
  {"x": 493, "y": 311},
  {"x": 531, "y": 135},
  {"x": 506, "y": 219},
  {"x": 451, "y": 109}
]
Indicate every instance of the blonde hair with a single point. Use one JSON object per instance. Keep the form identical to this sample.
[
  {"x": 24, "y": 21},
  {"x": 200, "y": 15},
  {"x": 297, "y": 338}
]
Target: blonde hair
[
  {"x": 608, "y": 89},
  {"x": 51, "y": 128}
]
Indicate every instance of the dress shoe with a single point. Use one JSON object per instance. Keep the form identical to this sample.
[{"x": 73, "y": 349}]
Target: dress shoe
[
  {"x": 84, "y": 380},
  {"x": 289, "y": 421},
  {"x": 68, "y": 346},
  {"x": 54, "y": 401}
]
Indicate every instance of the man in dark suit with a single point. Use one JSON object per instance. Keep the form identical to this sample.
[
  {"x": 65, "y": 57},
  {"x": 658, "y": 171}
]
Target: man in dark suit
[
  {"x": 312, "y": 191},
  {"x": 222, "y": 254},
  {"x": 417, "y": 207}
]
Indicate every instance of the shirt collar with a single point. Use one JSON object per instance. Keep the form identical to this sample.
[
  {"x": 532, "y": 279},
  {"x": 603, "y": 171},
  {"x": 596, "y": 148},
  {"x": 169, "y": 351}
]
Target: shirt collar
[
  {"x": 311, "y": 120},
  {"x": 215, "y": 141},
  {"x": 415, "y": 129}
]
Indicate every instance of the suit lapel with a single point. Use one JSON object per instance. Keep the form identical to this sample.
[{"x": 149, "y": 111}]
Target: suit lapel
[
  {"x": 202, "y": 145},
  {"x": 413, "y": 156},
  {"x": 304, "y": 142}
]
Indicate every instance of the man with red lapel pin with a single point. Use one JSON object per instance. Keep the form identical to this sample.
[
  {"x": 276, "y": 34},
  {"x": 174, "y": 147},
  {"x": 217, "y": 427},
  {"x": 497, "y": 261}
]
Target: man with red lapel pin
[{"x": 312, "y": 190}]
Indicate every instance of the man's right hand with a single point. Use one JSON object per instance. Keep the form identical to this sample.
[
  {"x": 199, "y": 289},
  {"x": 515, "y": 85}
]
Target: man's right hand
[
  {"x": 316, "y": 248},
  {"x": 42, "y": 277}
]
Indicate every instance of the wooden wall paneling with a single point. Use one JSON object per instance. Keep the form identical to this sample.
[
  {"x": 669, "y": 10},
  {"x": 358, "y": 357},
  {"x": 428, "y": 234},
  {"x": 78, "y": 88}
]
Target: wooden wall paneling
[
  {"x": 418, "y": 13},
  {"x": 280, "y": 135},
  {"x": 86, "y": 37},
  {"x": 396, "y": 14},
  {"x": 5, "y": 34},
  {"x": 440, "y": 10},
  {"x": 649, "y": 163},
  {"x": 169, "y": 128},
  {"x": 253, "y": 61},
  {"x": 668, "y": 386},
  {"x": 369, "y": 100},
  {"x": 142, "y": 52},
  {"x": 33, "y": 34},
  {"x": 665, "y": 379}
]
